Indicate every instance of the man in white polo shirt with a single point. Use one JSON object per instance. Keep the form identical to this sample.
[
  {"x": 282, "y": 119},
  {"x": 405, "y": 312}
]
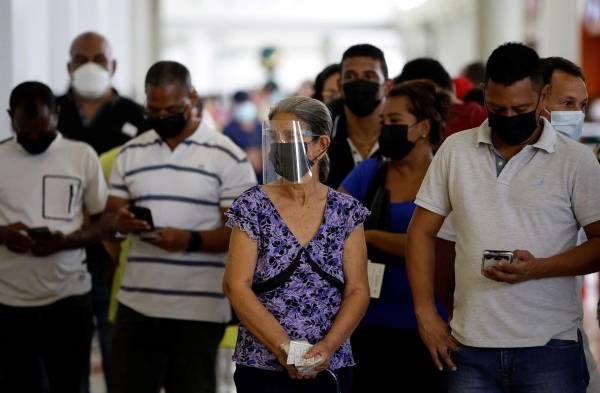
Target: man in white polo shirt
[
  {"x": 46, "y": 185},
  {"x": 172, "y": 309},
  {"x": 512, "y": 184}
]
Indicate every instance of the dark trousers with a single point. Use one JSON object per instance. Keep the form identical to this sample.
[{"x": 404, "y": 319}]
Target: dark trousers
[
  {"x": 149, "y": 353},
  {"x": 386, "y": 356},
  {"x": 100, "y": 305},
  {"x": 98, "y": 264},
  {"x": 255, "y": 380},
  {"x": 45, "y": 345}
]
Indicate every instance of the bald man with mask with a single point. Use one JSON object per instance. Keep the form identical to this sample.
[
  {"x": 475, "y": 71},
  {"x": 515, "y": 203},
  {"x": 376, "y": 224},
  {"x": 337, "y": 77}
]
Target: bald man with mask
[{"x": 92, "y": 111}]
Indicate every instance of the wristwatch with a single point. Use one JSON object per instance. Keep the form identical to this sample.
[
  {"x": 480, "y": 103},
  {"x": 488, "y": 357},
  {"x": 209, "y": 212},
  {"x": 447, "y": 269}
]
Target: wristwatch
[{"x": 195, "y": 243}]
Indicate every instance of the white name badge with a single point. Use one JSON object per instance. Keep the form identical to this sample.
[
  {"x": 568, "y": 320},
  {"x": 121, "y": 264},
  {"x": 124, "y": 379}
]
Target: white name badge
[
  {"x": 375, "y": 272},
  {"x": 129, "y": 129}
]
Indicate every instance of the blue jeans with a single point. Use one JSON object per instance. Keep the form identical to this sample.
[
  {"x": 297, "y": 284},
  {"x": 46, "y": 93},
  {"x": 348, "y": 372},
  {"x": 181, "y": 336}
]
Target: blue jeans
[{"x": 557, "y": 367}]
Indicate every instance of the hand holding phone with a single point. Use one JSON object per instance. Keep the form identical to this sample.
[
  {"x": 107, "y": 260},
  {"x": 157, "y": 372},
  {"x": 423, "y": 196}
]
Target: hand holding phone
[
  {"x": 494, "y": 257},
  {"x": 129, "y": 222},
  {"x": 144, "y": 214},
  {"x": 39, "y": 233}
]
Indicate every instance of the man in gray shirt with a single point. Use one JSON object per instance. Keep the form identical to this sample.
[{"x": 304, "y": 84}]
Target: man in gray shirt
[{"x": 513, "y": 183}]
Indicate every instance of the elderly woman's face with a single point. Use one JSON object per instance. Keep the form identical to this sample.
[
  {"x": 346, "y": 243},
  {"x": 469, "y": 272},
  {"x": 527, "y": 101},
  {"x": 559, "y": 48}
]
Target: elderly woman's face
[{"x": 288, "y": 128}]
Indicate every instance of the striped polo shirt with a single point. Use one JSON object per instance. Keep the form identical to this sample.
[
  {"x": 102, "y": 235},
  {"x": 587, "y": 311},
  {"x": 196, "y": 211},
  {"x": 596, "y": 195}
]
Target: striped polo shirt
[{"x": 185, "y": 188}]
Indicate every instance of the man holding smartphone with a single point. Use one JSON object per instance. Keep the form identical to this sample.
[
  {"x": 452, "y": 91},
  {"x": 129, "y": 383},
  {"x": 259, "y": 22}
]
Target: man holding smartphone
[
  {"x": 47, "y": 183},
  {"x": 513, "y": 183},
  {"x": 172, "y": 310}
]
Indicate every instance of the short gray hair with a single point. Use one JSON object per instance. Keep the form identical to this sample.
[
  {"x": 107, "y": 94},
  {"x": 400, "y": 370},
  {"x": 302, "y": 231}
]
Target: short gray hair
[{"x": 315, "y": 115}]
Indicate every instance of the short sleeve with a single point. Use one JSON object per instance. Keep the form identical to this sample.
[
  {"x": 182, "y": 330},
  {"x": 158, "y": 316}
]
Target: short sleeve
[
  {"x": 357, "y": 214},
  {"x": 237, "y": 176},
  {"x": 359, "y": 179},
  {"x": 117, "y": 186},
  {"x": 243, "y": 214},
  {"x": 585, "y": 197},
  {"x": 447, "y": 231},
  {"x": 434, "y": 193},
  {"x": 95, "y": 193}
]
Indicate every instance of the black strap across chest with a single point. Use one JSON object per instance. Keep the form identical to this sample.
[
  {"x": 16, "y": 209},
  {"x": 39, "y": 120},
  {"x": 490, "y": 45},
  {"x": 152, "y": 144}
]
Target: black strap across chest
[{"x": 282, "y": 277}]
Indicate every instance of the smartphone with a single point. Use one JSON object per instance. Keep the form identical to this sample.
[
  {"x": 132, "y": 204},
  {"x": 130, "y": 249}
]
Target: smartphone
[
  {"x": 39, "y": 232},
  {"x": 149, "y": 236},
  {"x": 144, "y": 214},
  {"x": 493, "y": 257}
]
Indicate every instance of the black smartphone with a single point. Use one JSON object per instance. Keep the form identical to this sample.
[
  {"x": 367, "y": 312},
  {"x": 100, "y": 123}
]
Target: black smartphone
[
  {"x": 144, "y": 214},
  {"x": 39, "y": 232}
]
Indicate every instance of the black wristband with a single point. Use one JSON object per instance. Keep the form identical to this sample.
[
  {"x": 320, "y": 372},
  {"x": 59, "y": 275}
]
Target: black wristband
[{"x": 195, "y": 243}]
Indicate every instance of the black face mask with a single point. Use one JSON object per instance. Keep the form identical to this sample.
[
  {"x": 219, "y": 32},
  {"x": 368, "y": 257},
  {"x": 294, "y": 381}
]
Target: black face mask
[
  {"x": 393, "y": 141},
  {"x": 168, "y": 127},
  {"x": 284, "y": 160},
  {"x": 513, "y": 130},
  {"x": 361, "y": 97},
  {"x": 38, "y": 145}
]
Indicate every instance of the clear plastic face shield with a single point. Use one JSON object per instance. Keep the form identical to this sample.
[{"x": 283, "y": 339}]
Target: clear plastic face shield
[{"x": 285, "y": 152}]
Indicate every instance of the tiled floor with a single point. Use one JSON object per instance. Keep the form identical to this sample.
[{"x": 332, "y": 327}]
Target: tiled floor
[{"x": 225, "y": 366}]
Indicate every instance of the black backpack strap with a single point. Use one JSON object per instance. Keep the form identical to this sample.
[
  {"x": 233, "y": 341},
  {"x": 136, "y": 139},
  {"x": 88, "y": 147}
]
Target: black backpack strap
[
  {"x": 377, "y": 200},
  {"x": 378, "y": 181}
]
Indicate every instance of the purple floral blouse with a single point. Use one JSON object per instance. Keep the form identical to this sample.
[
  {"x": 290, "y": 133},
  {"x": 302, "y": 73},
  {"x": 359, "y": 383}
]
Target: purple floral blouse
[{"x": 306, "y": 305}]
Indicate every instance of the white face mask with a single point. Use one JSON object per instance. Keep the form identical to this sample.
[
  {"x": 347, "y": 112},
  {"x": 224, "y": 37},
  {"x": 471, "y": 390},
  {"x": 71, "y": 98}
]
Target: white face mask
[
  {"x": 91, "y": 80},
  {"x": 568, "y": 123}
]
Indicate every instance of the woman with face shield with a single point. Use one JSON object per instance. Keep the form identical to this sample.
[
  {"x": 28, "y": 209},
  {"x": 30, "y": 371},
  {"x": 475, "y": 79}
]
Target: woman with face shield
[
  {"x": 412, "y": 123},
  {"x": 296, "y": 274}
]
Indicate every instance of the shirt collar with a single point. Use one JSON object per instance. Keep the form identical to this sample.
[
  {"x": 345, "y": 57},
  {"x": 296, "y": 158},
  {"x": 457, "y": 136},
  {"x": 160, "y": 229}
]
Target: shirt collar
[
  {"x": 199, "y": 136},
  {"x": 546, "y": 142}
]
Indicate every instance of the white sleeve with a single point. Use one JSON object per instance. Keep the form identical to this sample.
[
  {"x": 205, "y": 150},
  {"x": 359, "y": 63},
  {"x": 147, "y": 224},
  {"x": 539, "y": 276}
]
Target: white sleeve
[
  {"x": 447, "y": 230},
  {"x": 237, "y": 177},
  {"x": 95, "y": 192},
  {"x": 434, "y": 194},
  {"x": 585, "y": 197},
  {"x": 118, "y": 187}
]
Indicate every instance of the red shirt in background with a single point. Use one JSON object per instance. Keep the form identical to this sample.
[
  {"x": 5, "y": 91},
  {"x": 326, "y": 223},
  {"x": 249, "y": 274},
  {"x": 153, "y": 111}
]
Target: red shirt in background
[{"x": 463, "y": 117}]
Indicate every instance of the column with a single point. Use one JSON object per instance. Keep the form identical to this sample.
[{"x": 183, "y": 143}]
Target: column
[{"x": 500, "y": 21}]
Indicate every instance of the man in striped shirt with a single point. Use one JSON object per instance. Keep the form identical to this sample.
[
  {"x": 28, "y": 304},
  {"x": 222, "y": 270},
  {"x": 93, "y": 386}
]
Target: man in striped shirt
[{"x": 172, "y": 309}]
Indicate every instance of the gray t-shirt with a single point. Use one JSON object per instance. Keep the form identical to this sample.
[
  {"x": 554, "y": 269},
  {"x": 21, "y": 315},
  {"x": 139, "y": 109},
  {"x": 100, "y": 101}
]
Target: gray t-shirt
[{"x": 538, "y": 202}]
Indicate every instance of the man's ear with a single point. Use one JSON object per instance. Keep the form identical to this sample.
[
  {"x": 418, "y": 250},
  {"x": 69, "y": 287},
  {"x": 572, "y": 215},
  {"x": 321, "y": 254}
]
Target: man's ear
[
  {"x": 11, "y": 114},
  {"x": 388, "y": 85},
  {"x": 114, "y": 68},
  {"x": 193, "y": 96},
  {"x": 544, "y": 94}
]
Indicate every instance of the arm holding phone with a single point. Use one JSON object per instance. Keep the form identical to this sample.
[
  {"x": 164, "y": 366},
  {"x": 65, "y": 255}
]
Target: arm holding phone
[
  {"x": 583, "y": 259},
  {"x": 169, "y": 239},
  {"x": 41, "y": 241}
]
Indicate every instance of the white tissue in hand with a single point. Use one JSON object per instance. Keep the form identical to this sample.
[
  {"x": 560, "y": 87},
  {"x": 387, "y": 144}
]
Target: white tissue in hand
[{"x": 296, "y": 353}]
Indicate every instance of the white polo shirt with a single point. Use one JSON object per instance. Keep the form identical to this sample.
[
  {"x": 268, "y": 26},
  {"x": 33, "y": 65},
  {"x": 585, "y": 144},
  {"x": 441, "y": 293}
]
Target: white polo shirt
[
  {"x": 50, "y": 189},
  {"x": 185, "y": 189},
  {"x": 538, "y": 202}
]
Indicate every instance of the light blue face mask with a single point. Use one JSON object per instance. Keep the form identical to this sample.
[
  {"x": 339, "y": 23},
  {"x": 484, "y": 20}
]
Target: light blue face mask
[
  {"x": 568, "y": 123},
  {"x": 245, "y": 112}
]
